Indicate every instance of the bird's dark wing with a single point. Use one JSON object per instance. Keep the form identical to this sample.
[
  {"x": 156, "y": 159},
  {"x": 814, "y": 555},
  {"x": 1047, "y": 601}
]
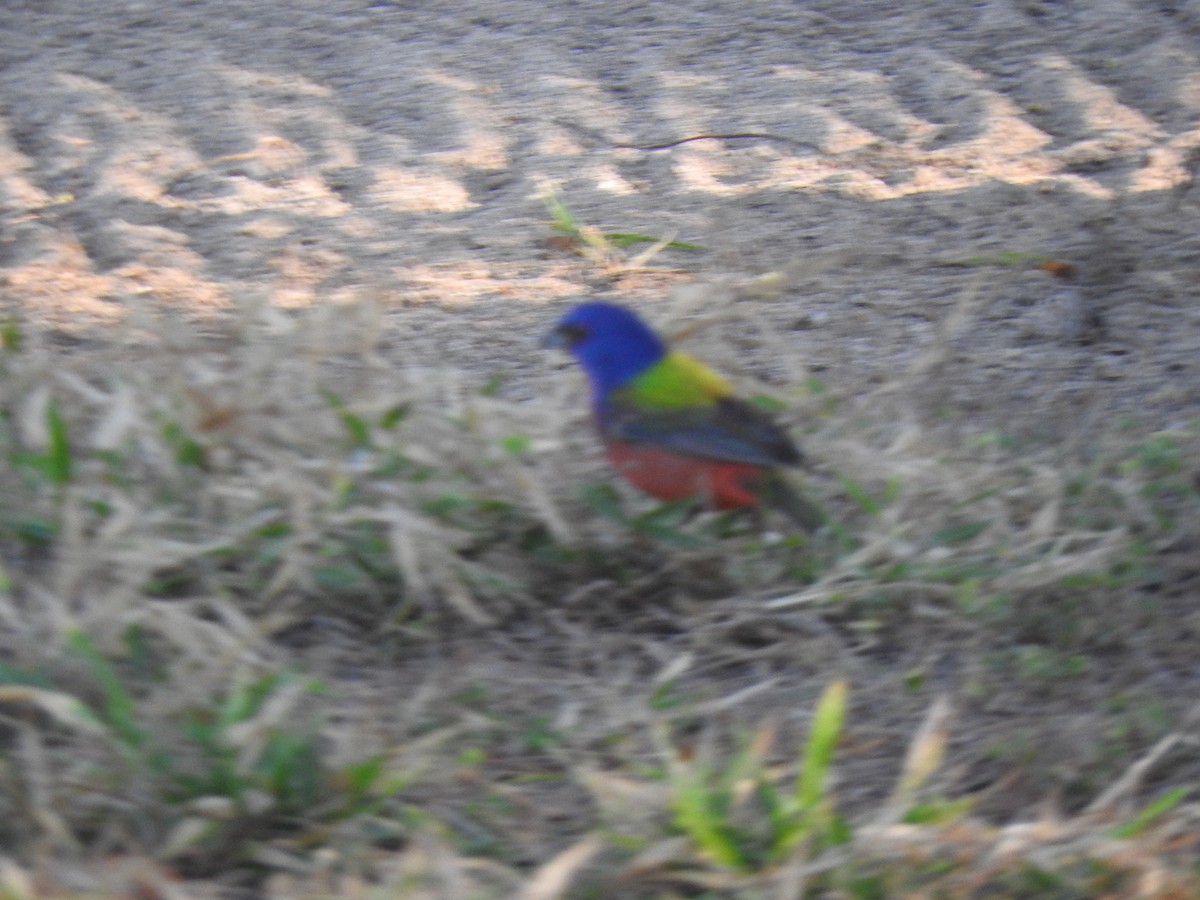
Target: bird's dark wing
[{"x": 727, "y": 429}]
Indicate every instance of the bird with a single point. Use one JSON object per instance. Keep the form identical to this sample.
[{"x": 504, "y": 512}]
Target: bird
[{"x": 672, "y": 426}]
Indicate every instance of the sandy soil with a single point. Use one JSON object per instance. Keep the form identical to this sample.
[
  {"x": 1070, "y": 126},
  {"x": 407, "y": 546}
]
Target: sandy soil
[{"x": 194, "y": 155}]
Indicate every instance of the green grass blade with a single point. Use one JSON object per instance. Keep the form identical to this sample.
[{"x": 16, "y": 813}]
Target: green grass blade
[
  {"x": 357, "y": 428},
  {"x": 1152, "y": 812},
  {"x": 120, "y": 710},
  {"x": 58, "y": 455},
  {"x": 826, "y": 731},
  {"x": 564, "y": 221},
  {"x": 700, "y": 813},
  {"x": 624, "y": 239}
]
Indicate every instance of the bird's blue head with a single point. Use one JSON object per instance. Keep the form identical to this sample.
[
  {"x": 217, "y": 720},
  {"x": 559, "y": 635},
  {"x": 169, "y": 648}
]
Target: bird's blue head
[{"x": 611, "y": 343}]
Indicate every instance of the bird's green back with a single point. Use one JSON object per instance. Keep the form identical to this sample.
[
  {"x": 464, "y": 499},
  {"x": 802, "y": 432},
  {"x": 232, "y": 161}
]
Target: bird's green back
[{"x": 677, "y": 381}]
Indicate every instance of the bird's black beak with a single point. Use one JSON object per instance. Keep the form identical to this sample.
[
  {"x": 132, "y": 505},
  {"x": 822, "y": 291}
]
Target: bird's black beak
[{"x": 563, "y": 337}]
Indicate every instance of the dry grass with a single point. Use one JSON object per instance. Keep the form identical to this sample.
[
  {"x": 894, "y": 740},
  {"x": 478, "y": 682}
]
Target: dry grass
[{"x": 286, "y": 615}]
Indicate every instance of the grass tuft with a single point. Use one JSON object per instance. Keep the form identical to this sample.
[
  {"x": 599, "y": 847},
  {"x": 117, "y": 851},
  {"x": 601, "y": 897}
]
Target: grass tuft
[{"x": 280, "y": 619}]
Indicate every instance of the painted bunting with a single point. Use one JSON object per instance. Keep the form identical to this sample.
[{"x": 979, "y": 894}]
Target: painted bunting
[{"x": 671, "y": 425}]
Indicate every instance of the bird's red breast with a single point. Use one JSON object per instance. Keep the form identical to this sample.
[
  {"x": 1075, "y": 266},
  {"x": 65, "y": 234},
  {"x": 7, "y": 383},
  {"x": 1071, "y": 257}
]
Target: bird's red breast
[{"x": 666, "y": 475}]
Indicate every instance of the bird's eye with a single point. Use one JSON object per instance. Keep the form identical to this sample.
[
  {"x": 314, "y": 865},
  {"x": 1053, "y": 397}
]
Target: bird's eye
[{"x": 572, "y": 334}]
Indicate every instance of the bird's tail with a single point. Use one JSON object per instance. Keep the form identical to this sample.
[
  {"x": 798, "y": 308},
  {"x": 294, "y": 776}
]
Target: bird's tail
[{"x": 778, "y": 494}]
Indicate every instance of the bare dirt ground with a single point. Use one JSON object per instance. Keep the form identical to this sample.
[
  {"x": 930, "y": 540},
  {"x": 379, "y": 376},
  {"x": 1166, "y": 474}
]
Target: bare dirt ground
[{"x": 971, "y": 223}]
